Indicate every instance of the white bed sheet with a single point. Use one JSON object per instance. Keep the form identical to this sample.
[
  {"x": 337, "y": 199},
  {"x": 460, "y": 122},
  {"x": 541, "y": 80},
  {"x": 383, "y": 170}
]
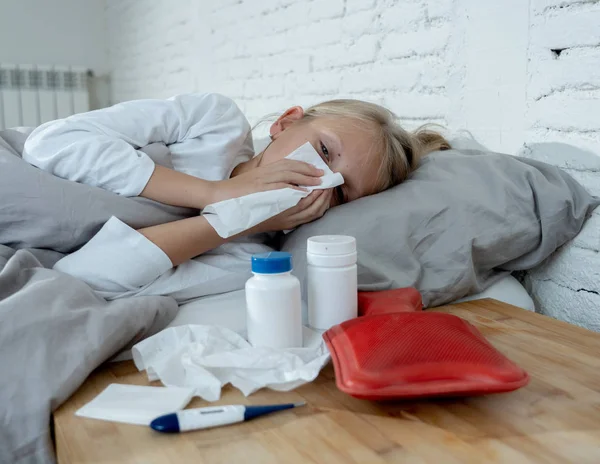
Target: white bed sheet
[
  {"x": 226, "y": 310},
  {"x": 229, "y": 309},
  {"x": 508, "y": 290}
]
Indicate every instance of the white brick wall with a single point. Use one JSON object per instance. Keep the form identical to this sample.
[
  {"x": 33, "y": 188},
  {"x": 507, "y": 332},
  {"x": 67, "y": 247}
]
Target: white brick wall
[
  {"x": 286, "y": 52},
  {"x": 563, "y": 106},
  {"x": 515, "y": 73}
]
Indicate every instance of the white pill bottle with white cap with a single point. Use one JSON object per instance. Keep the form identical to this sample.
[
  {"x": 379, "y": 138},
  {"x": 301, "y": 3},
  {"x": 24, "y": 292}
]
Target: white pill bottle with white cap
[{"x": 331, "y": 280}]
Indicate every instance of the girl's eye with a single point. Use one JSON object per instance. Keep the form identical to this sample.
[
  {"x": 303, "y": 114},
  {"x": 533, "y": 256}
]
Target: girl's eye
[{"x": 325, "y": 151}]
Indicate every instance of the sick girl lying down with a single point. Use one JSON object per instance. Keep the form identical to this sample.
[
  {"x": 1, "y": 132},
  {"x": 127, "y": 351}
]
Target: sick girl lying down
[{"x": 213, "y": 160}]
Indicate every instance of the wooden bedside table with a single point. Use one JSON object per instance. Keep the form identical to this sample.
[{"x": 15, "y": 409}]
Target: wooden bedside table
[{"x": 555, "y": 419}]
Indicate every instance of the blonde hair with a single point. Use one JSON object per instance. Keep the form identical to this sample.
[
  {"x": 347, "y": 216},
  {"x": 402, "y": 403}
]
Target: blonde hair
[{"x": 400, "y": 150}]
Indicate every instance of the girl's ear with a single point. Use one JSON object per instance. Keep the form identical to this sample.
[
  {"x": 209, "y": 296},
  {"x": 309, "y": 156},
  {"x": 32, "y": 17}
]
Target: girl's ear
[{"x": 295, "y": 113}]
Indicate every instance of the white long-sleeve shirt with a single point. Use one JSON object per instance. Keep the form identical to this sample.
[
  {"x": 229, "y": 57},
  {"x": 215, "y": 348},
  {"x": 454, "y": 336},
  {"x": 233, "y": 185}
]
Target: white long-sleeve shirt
[{"x": 207, "y": 136}]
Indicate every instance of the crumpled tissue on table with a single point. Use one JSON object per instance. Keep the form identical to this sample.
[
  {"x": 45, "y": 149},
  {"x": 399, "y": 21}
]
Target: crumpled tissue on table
[
  {"x": 230, "y": 217},
  {"x": 205, "y": 358}
]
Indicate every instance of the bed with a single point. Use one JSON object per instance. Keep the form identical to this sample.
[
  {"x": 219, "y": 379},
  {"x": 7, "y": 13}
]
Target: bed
[{"x": 55, "y": 330}]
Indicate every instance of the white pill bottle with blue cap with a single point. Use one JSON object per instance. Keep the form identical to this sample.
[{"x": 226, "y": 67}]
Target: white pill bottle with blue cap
[{"x": 273, "y": 302}]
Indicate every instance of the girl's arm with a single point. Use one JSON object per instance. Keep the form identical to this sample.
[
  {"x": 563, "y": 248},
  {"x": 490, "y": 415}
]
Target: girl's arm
[
  {"x": 176, "y": 188},
  {"x": 119, "y": 259},
  {"x": 184, "y": 239},
  {"x": 100, "y": 148}
]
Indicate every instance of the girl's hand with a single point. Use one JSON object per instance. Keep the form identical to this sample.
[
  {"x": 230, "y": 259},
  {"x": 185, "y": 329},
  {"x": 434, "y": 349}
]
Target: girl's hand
[
  {"x": 284, "y": 173},
  {"x": 307, "y": 210}
]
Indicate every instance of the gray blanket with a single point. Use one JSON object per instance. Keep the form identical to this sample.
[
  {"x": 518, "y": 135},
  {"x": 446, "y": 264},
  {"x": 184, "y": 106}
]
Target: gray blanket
[
  {"x": 53, "y": 332},
  {"x": 39, "y": 210},
  {"x": 53, "y": 329}
]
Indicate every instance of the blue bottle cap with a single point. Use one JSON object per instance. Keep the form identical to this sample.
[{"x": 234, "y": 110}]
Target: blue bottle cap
[{"x": 275, "y": 262}]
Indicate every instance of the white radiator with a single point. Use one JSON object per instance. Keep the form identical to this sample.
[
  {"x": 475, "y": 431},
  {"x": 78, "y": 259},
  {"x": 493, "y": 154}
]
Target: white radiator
[{"x": 33, "y": 94}]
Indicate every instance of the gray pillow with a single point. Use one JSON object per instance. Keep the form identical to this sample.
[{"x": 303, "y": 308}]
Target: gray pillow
[
  {"x": 39, "y": 210},
  {"x": 463, "y": 220}
]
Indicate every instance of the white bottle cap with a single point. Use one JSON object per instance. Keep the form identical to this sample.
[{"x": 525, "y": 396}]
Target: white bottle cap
[{"x": 331, "y": 245}]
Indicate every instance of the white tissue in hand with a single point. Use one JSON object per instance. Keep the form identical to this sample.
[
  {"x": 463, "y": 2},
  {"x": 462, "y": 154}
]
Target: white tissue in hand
[
  {"x": 205, "y": 358},
  {"x": 309, "y": 155},
  {"x": 230, "y": 217}
]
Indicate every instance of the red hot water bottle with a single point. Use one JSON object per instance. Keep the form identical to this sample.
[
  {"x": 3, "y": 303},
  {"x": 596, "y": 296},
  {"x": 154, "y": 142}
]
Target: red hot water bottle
[
  {"x": 389, "y": 301},
  {"x": 417, "y": 354}
]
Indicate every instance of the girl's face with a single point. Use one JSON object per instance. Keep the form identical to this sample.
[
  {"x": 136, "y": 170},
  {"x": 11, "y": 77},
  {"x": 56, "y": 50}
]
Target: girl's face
[{"x": 346, "y": 145}]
